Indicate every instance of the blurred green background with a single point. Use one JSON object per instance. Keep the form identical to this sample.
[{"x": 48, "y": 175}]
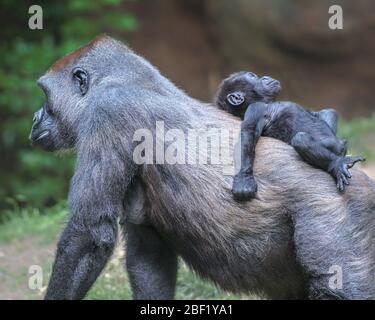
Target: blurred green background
[{"x": 195, "y": 43}]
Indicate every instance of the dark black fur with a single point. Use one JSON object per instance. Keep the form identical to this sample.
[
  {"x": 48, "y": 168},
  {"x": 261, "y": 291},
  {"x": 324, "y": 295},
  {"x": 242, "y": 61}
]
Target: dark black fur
[{"x": 313, "y": 135}]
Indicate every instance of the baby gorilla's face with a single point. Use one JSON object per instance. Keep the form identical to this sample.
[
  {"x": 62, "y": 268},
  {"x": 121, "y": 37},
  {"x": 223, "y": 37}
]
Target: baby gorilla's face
[
  {"x": 243, "y": 88},
  {"x": 268, "y": 88}
]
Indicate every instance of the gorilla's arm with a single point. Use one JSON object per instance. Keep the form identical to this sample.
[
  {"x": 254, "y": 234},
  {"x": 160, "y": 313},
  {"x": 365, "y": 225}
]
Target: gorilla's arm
[
  {"x": 244, "y": 185},
  {"x": 89, "y": 238},
  {"x": 151, "y": 264},
  {"x": 99, "y": 183}
]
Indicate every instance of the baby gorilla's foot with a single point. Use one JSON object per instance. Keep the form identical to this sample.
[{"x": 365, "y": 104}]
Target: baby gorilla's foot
[
  {"x": 340, "y": 170},
  {"x": 244, "y": 187}
]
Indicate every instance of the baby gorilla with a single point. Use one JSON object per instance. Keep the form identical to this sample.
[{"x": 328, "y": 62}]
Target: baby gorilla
[{"x": 312, "y": 134}]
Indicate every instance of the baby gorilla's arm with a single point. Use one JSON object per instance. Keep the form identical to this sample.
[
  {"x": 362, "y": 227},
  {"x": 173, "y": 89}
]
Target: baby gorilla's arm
[{"x": 244, "y": 185}]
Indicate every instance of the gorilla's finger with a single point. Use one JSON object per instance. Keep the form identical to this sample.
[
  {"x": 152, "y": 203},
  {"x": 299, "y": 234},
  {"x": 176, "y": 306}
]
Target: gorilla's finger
[
  {"x": 346, "y": 172},
  {"x": 345, "y": 179},
  {"x": 340, "y": 183}
]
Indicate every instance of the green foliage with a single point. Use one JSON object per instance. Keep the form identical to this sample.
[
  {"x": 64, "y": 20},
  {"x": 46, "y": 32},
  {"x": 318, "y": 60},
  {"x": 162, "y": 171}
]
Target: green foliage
[
  {"x": 20, "y": 223},
  {"x": 30, "y": 176},
  {"x": 360, "y": 134}
]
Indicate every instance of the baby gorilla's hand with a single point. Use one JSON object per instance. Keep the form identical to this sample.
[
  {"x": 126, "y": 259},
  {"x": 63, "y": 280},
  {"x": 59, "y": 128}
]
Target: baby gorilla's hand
[
  {"x": 244, "y": 187},
  {"x": 340, "y": 170}
]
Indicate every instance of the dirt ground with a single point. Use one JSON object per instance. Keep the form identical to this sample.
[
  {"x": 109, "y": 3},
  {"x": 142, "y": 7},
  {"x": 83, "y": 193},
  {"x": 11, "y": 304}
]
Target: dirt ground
[{"x": 17, "y": 256}]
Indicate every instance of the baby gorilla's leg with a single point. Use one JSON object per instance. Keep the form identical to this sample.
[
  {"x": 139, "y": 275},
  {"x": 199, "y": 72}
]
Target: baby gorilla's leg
[
  {"x": 337, "y": 146},
  {"x": 318, "y": 154},
  {"x": 330, "y": 117},
  {"x": 342, "y": 147}
]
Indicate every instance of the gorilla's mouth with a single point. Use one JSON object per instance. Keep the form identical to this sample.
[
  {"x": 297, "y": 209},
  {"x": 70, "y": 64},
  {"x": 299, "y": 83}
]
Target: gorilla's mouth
[
  {"x": 273, "y": 82},
  {"x": 42, "y": 135},
  {"x": 43, "y": 140}
]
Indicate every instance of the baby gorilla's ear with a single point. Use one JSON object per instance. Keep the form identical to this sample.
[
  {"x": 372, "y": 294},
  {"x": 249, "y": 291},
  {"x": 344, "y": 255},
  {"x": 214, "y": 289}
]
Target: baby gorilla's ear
[
  {"x": 236, "y": 98},
  {"x": 268, "y": 88}
]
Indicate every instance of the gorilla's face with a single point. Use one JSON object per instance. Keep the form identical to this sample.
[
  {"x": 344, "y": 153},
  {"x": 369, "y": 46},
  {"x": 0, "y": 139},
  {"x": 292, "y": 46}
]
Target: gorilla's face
[
  {"x": 75, "y": 83},
  {"x": 55, "y": 124},
  {"x": 243, "y": 88},
  {"x": 268, "y": 88},
  {"x": 44, "y": 132},
  {"x": 236, "y": 92}
]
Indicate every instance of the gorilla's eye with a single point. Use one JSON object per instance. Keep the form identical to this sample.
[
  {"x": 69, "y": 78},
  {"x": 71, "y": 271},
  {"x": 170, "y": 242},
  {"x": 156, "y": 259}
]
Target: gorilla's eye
[
  {"x": 252, "y": 75},
  {"x": 81, "y": 78}
]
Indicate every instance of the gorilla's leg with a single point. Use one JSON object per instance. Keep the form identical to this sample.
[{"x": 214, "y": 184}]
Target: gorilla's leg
[
  {"x": 337, "y": 146},
  {"x": 151, "y": 264},
  {"x": 329, "y": 116},
  {"x": 335, "y": 252},
  {"x": 319, "y": 155},
  {"x": 81, "y": 255}
]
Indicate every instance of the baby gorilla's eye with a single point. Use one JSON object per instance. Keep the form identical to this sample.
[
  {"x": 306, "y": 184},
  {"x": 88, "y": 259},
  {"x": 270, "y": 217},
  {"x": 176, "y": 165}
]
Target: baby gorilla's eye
[
  {"x": 252, "y": 75},
  {"x": 81, "y": 78}
]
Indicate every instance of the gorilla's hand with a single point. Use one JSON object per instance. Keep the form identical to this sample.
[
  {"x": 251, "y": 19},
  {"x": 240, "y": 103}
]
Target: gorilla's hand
[
  {"x": 244, "y": 187},
  {"x": 340, "y": 170}
]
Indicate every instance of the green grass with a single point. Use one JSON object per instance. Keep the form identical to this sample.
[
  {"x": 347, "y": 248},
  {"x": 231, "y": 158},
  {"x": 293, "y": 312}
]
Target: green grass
[
  {"x": 360, "y": 134},
  {"x": 25, "y": 222},
  {"x": 41, "y": 229},
  {"x": 114, "y": 284}
]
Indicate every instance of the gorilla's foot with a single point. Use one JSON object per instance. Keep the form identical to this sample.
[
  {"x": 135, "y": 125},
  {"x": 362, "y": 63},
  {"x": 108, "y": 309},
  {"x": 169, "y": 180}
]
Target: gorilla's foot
[
  {"x": 244, "y": 187},
  {"x": 340, "y": 170}
]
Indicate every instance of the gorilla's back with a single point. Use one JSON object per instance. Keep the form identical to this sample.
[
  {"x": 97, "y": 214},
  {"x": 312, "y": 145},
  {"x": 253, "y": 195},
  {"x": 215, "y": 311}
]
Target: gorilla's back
[{"x": 240, "y": 245}]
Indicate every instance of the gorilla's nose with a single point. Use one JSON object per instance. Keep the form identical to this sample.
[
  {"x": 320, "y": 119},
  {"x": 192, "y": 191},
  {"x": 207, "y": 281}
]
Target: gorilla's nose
[
  {"x": 268, "y": 80},
  {"x": 277, "y": 83},
  {"x": 271, "y": 82},
  {"x": 37, "y": 117},
  {"x": 36, "y": 120}
]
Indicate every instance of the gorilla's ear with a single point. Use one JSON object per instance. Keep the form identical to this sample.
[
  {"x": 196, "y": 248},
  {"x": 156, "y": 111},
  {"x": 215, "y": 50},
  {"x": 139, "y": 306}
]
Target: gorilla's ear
[
  {"x": 236, "y": 98},
  {"x": 81, "y": 78}
]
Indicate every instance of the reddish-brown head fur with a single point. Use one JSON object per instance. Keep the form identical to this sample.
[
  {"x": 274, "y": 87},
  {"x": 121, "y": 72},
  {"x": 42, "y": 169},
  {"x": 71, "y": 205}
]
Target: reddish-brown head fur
[{"x": 70, "y": 58}]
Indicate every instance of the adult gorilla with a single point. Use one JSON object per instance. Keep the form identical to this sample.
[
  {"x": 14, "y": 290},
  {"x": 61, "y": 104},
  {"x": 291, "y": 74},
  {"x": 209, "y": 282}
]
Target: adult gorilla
[{"x": 281, "y": 245}]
